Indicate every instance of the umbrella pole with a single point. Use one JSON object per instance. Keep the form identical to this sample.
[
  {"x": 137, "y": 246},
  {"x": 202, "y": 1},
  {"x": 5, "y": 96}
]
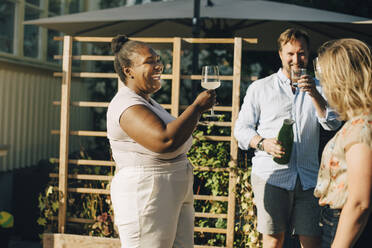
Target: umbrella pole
[{"x": 195, "y": 46}]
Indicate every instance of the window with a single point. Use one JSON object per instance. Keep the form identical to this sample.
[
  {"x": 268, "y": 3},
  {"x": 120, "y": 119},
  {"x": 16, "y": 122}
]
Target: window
[
  {"x": 74, "y": 6},
  {"x": 7, "y": 13},
  {"x": 35, "y": 42},
  {"x": 33, "y": 2},
  {"x": 55, "y": 7},
  {"x": 31, "y": 33}
]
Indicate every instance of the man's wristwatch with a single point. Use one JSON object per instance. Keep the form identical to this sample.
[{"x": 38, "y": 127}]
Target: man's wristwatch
[{"x": 260, "y": 145}]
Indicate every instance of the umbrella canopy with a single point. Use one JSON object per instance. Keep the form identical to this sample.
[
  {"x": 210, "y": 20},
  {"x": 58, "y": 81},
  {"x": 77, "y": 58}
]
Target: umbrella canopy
[{"x": 260, "y": 19}]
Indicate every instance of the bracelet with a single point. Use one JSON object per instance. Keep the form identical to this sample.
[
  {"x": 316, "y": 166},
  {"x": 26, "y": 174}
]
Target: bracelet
[{"x": 260, "y": 144}]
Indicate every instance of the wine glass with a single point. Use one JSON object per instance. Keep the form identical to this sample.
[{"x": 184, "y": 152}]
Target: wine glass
[
  {"x": 210, "y": 81},
  {"x": 317, "y": 69}
]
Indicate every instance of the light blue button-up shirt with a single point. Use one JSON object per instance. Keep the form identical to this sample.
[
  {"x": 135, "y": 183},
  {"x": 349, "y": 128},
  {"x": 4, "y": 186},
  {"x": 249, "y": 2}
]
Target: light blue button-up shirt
[{"x": 267, "y": 103}]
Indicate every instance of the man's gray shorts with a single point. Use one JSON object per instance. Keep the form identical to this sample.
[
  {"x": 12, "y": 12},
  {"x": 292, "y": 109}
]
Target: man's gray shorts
[{"x": 279, "y": 209}]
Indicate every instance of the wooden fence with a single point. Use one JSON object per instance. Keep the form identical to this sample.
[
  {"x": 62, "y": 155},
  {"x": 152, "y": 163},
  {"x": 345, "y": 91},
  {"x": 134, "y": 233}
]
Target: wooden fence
[{"x": 174, "y": 108}]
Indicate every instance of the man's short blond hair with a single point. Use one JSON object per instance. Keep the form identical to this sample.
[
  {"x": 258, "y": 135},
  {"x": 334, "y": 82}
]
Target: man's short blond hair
[
  {"x": 346, "y": 76},
  {"x": 292, "y": 34}
]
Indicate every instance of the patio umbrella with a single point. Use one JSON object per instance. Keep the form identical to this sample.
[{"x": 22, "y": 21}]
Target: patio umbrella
[{"x": 260, "y": 19}]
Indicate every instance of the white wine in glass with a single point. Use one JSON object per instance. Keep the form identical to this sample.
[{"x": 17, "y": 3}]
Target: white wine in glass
[{"x": 210, "y": 81}]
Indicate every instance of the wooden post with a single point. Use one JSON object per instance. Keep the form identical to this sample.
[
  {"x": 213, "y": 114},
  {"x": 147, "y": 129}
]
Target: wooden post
[
  {"x": 234, "y": 144},
  {"x": 64, "y": 131},
  {"x": 176, "y": 71}
]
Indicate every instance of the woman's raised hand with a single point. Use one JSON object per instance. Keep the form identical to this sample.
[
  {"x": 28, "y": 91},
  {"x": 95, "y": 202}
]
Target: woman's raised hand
[{"x": 205, "y": 100}]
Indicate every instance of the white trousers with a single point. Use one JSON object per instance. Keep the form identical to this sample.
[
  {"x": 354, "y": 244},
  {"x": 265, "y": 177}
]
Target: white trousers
[{"x": 153, "y": 205}]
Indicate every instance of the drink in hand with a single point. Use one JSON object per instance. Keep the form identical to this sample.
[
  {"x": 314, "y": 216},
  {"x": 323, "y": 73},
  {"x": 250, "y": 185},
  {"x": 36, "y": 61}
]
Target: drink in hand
[
  {"x": 210, "y": 81},
  {"x": 296, "y": 74},
  {"x": 210, "y": 85}
]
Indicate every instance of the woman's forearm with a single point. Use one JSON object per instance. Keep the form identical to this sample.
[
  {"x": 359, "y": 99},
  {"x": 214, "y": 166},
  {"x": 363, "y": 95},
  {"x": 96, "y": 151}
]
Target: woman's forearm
[
  {"x": 353, "y": 219},
  {"x": 180, "y": 129}
]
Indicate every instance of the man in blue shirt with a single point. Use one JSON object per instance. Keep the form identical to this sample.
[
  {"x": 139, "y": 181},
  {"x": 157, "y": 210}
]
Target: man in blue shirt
[{"x": 283, "y": 194}]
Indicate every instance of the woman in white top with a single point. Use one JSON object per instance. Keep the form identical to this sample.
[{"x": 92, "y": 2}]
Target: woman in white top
[{"x": 152, "y": 193}]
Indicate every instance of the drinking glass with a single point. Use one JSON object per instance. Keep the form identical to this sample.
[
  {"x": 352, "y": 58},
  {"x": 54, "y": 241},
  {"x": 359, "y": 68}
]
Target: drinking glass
[
  {"x": 210, "y": 81},
  {"x": 317, "y": 69},
  {"x": 296, "y": 74}
]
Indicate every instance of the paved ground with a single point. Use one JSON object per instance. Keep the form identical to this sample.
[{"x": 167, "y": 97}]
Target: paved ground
[{"x": 24, "y": 244}]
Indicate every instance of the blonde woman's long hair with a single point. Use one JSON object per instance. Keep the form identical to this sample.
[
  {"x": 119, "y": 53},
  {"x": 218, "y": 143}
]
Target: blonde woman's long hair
[{"x": 346, "y": 76}]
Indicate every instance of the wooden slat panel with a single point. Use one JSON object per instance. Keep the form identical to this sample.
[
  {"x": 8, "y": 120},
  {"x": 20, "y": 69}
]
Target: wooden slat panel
[
  {"x": 153, "y": 39},
  {"x": 210, "y": 40},
  {"x": 75, "y": 220},
  {"x": 222, "y": 108},
  {"x": 176, "y": 71},
  {"x": 86, "y": 162},
  {"x": 85, "y": 104},
  {"x": 218, "y": 108},
  {"x": 210, "y": 230},
  {"x": 210, "y": 215},
  {"x": 205, "y": 168},
  {"x": 97, "y": 104},
  {"x": 166, "y": 106},
  {"x": 166, "y": 76},
  {"x": 100, "y": 75},
  {"x": 210, "y": 198},
  {"x": 89, "y": 74},
  {"x": 64, "y": 130},
  {"x": 80, "y": 220},
  {"x": 218, "y": 40},
  {"x": 217, "y": 138},
  {"x": 84, "y": 133},
  {"x": 215, "y": 123},
  {"x": 84, "y": 177},
  {"x": 234, "y": 143},
  {"x": 199, "y": 77},
  {"x": 109, "y": 39},
  {"x": 160, "y": 40},
  {"x": 89, "y": 191},
  {"x": 90, "y": 104},
  {"x": 251, "y": 40},
  {"x": 88, "y": 57}
]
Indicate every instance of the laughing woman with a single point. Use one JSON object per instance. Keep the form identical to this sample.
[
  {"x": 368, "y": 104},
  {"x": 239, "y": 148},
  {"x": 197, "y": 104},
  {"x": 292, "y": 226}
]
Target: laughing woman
[
  {"x": 344, "y": 184},
  {"x": 152, "y": 193}
]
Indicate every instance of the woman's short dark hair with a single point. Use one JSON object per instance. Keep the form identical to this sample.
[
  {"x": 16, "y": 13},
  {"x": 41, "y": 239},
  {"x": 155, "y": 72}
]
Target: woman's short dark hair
[{"x": 123, "y": 49}]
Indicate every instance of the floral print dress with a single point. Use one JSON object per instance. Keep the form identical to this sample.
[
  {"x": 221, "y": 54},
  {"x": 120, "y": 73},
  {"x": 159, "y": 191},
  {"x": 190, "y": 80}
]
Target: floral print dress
[{"x": 331, "y": 188}]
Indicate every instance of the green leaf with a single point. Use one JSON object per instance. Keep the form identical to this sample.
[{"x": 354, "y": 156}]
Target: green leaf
[
  {"x": 55, "y": 206},
  {"x": 49, "y": 190},
  {"x": 41, "y": 221}
]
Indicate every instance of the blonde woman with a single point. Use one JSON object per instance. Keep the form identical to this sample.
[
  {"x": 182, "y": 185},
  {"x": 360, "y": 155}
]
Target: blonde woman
[{"x": 344, "y": 184}]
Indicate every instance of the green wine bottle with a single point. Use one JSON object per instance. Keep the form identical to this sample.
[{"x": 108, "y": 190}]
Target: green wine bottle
[{"x": 285, "y": 136}]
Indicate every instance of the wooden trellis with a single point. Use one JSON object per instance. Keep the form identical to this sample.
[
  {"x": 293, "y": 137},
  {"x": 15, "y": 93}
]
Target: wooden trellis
[{"x": 174, "y": 107}]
